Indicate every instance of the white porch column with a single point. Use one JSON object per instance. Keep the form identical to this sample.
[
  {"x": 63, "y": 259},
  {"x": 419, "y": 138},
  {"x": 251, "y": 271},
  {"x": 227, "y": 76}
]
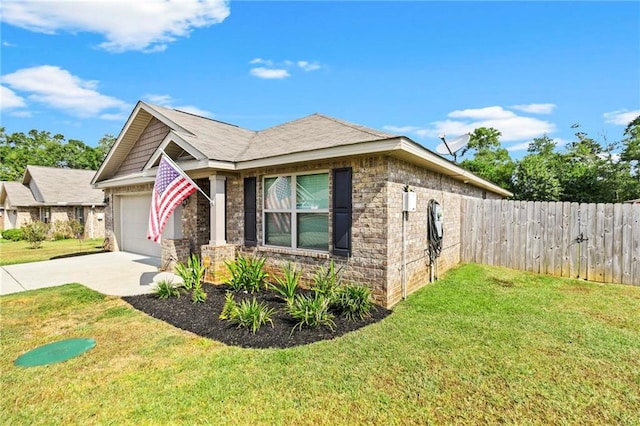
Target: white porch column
[{"x": 217, "y": 210}]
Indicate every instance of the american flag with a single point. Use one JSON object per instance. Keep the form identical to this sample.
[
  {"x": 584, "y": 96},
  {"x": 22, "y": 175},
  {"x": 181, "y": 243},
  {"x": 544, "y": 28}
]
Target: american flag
[{"x": 172, "y": 186}]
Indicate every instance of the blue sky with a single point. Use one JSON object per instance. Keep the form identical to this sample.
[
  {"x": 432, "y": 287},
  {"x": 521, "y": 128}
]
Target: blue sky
[{"x": 413, "y": 68}]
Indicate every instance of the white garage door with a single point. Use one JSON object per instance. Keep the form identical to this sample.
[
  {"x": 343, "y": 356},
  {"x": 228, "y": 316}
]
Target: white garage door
[{"x": 134, "y": 221}]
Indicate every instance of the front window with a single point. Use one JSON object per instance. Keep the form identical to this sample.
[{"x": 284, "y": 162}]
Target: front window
[
  {"x": 80, "y": 215},
  {"x": 297, "y": 218},
  {"x": 45, "y": 214}
]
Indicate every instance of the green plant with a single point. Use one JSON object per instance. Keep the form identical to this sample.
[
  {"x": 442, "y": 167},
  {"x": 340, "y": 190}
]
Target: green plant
[
  {"x": 191, "y": 273},
  {"x": 247, "y": 274},
  {"x": 249, "y": 314},
  {"x": 353, "y": 301},
  {"x": 311, "y": 311},
  {"x": 326, "y": 280},
  {"x": 287, "y": 284},
  {"x": 198, "y": 295},
  {"x": 230, "y": 307},
  {"x": 12, "y": 234},
  {"x": 166, "y": 289},
  {"x": 35, "y": 233},
  {"x": 66, "y": 229}
]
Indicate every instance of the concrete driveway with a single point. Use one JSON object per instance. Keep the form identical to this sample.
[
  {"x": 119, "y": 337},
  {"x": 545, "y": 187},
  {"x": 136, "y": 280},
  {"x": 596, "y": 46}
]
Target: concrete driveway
[{"x": 112, "y": 273}]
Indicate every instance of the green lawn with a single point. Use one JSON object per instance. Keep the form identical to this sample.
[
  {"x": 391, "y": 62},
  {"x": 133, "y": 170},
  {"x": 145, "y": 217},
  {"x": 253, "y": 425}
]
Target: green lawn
[
  {"x": 483, "y": 345},
  {"x": 12, "y": 252}
]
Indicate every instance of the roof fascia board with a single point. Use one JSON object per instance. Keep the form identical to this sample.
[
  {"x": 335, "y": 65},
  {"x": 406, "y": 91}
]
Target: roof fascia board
[
  {"x": 198, "y": 168},
  {"x": 175, "y": 138},
  {"x": 116, "y": 144},
  {"x": 452, "y": 169}
]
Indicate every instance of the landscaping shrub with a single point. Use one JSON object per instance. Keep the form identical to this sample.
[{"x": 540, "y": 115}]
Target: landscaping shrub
[
  {"x": 166, "y": 289},
  {"x": 247, "y": 314},
  {"x": 229, "y": 308},
  {"x": 35, "y": 233},
  {"x": 287, "y": 285},
  {"x": 311, "y": 311},
  {"x": 198, "y": 294},
  {"x": 191, "y": 273},
  {"x": 66, "y": 229},
  {"x": 247, "y": 274},
  {"x": 353, "y": 302},
  {"x": 326, "y": 281},
  {"x": 12, "y": 234}
]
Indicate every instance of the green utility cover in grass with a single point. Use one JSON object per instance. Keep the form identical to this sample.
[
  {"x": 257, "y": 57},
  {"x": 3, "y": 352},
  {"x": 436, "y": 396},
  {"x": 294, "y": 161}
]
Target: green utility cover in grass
[{"x": 55, "y": 352}]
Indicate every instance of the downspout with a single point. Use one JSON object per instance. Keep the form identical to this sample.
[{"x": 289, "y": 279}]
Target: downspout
[{"x": 404, "y": 256}]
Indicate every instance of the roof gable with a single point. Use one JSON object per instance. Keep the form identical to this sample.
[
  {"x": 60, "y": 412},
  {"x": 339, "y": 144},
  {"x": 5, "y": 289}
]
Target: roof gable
[
  {"x": 50, "y": 185},
  {"x": 15, "y": 194}
]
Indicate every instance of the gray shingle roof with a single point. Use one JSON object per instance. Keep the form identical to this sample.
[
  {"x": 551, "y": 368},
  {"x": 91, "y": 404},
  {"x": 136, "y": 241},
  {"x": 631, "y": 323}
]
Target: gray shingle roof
[
  {"x": 307, "y": 134},
  {"x": 226, "y": 142},
  {"x": 215, "y": 139},
  {"x": 63, "y": 186},
  {"x": 18, "y": 195}
]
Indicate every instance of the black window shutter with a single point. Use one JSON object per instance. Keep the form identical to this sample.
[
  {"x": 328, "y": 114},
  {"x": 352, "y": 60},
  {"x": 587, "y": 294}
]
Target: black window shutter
[
  {"x": 342, "y": 212},
  {"x": 250, "y": 233}
]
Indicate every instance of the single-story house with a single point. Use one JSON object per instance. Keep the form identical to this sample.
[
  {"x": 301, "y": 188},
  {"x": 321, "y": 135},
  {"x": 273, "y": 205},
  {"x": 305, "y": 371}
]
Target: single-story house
[
  {"x": 53, "y": 194},
  {"x": 308, "y": 191}
]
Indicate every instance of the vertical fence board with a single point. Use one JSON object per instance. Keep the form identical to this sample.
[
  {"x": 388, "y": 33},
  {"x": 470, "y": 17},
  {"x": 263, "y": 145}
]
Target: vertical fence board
[
  {"x": 584, "y": 245},
  {"x": 616, "y": 257},
  {"x": 522, "y": 236},
  {"x": 596, "y": 263},
  {"x": 506, "y": 208},
  {"x": 635, "y": 246},
  {"x": 530, "y": 256},
  {"x": 607, "y": 261},
  {"x": 627, "y": 234},
  {"x": 480, "y": 247},
  {"x": 573, "y": 248},
  {"x": 548, "y": 224},
  {"x": 557, "y": 240}
]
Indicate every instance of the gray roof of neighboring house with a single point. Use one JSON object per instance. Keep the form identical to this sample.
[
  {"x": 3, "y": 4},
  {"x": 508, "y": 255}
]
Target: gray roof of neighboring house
[
  {"x": 18, "y": 195},
  {"x": 63, "y": 186}
]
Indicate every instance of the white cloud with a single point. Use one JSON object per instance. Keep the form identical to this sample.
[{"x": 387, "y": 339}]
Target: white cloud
[
  {"x": 401, "y": 129},
  {"x": 7, "y": 44},
  {"x": 535, "y": 108},
  {"x": 169, "y": 102},
  {"x": 525, "y": 145},
  {"x": 512, "y": 126},
  {"x": 621, "y": 117},
  {"x": 147, "y": 25},
  {"x": 486, "y": 113},
  {"x": 267, "y": 73},
  {"x": 59, "y": 89},
  {"x": 10, "y": 100},
  {"x": 279, "y": 70},
  {"x": 309, "y": 66}
]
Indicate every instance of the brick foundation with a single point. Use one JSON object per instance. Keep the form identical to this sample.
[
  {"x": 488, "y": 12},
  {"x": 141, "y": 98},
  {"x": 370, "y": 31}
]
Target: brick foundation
[{"x": 173, "y": 252}]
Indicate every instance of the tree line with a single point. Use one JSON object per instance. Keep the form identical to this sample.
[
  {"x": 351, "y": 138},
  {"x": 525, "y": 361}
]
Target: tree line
[
  {"x": 41, "y": 148},
  {"x": 584, "y": 171}
]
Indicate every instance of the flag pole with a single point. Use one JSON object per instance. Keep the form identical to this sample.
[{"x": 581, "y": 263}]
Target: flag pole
[{"x": 166, "y": 157}]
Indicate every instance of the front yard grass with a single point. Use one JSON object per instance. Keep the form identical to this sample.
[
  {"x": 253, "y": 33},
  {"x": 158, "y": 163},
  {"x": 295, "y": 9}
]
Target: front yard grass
[
  {"x": 12, "y": 252},
  {"x": 483, "y": 345}
]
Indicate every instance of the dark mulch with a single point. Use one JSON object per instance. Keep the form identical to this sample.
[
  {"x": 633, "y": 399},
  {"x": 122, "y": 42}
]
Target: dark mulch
[{"x": 202, "y": 319}]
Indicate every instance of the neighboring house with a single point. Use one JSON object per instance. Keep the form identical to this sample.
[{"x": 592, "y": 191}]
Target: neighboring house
[
  {"x": 306, "y": 191},
  {"x": 50, "y": 194}
]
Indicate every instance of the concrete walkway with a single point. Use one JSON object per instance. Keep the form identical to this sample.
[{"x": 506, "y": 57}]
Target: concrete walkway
[{"x": 112, "y": 273}]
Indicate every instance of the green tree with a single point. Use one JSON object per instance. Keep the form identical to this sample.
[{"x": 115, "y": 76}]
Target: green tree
[
  {"x": 489, "y": 160},
  {"x": 104, "y": 145},
  {"x": 41, "y": 148},
  {"x": 536, "y": 177}
]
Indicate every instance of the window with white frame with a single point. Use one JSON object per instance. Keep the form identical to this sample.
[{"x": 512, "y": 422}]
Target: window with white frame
[{"x": 296, "y": 211}]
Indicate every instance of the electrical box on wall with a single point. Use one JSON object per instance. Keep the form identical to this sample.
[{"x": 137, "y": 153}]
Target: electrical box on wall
[{"x": 409, "y": 201}]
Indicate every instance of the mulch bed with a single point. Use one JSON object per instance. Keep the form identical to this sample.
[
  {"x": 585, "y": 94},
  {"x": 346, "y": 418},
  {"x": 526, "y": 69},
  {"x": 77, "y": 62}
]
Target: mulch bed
[{"x": 202, "y": 319}]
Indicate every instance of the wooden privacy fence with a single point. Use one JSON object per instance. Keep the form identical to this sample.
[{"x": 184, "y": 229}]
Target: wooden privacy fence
[{"x": 597, "y": 242}]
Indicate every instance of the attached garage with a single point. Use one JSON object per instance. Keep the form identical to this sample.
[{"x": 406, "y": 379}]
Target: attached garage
[{"x": 133, "y": 222}]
